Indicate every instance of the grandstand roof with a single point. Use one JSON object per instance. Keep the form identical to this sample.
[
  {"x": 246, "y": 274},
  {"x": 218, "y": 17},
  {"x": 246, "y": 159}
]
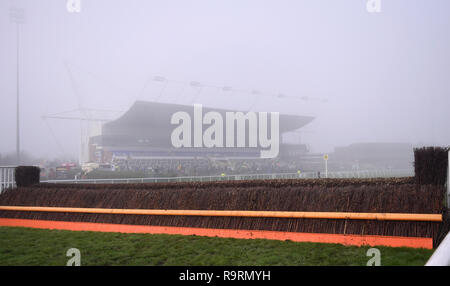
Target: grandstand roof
[{"x": 154, "y": 118}]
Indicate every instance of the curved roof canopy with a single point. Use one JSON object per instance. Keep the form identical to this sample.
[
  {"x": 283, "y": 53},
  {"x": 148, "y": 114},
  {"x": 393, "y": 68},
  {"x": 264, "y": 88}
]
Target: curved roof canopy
[{"x": 152, "y": 119}]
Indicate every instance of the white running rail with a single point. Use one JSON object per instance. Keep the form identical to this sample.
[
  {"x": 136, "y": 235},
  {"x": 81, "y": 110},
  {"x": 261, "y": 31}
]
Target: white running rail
[
  {"x": 306, "y": 175},
  {"x": 7, "y": 177}
]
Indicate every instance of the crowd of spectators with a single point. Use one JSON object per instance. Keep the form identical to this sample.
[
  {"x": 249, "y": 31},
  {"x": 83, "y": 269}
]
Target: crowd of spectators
[{"x": 205, "y": 166}]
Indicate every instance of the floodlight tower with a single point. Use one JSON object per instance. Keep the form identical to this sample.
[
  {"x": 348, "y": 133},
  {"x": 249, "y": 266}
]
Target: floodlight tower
[{"x": 17, "y": 15}]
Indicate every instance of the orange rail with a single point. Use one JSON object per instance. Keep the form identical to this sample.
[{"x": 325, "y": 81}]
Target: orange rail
[
  {"x": 345, "y": 239},
  {"x": 226, "y": 213}
]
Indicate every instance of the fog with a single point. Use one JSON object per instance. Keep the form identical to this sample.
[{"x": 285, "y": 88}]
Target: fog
[{"x": 365, "y": 77}]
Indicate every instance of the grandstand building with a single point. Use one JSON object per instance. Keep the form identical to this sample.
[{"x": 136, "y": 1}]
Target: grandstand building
[{"x": 144, "y": 133}]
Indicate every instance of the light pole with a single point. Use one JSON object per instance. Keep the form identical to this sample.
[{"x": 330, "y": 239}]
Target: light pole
[{"x": 17, "y": 16}]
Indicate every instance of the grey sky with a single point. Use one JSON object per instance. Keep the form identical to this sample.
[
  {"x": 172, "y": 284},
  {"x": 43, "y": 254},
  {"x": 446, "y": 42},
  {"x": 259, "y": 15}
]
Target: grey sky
[{"x": 385, "y": 75}]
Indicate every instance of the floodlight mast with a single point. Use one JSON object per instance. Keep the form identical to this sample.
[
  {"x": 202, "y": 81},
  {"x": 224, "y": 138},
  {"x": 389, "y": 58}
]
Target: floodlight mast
[{"x": 17, "y": 16}]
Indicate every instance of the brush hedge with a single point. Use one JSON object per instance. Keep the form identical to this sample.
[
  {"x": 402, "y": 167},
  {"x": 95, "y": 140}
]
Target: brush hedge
[
  {"x": 27, "y": 175},
  {"x": 271, "y": 196},
  {"x": 430, "y": 165}
]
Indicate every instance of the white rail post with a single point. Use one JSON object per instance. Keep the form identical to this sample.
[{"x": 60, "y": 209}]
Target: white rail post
[
  {"x": 14, "y": 177},
  {"x": 9, "y": 178},
  {"x": 1, "y": 180}
]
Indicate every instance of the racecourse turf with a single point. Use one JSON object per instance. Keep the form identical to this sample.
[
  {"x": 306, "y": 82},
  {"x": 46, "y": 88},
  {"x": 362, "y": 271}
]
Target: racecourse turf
[{"x": 25, "y": 246}]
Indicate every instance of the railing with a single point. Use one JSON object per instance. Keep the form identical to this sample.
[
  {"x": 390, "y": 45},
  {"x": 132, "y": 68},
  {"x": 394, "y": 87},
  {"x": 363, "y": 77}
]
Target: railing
[
  {"x": 306, "y": 175},
  {"x": 7, "y": 177}
]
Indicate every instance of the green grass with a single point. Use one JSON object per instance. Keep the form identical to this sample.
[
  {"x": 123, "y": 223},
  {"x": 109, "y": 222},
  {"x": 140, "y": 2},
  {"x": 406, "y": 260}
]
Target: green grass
[{"x": 25, "y": 246}]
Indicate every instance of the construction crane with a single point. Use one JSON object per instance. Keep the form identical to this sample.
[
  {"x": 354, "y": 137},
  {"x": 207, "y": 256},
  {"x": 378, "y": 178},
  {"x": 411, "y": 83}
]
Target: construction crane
[
  {"x": 85, "y": 133},
  {"x": 83, "y": 115}
]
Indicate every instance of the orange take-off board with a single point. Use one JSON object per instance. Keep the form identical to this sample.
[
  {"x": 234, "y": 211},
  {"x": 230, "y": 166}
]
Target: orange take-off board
[{"x": 345, "y": 239}]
